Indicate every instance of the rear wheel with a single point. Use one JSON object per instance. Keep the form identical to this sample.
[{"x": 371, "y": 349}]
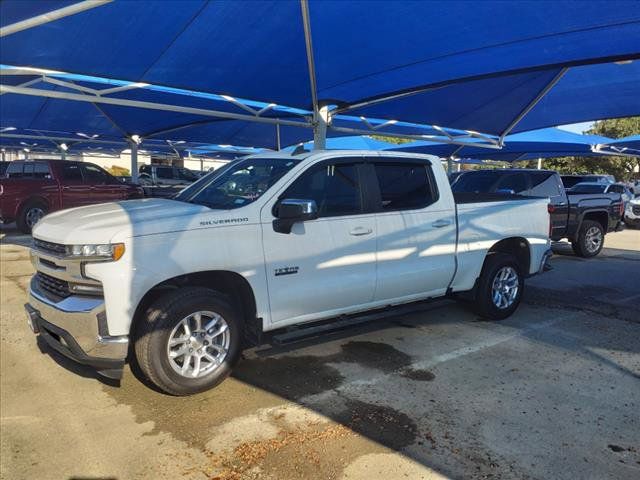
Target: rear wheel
[
  {"x": 500, "y": 287},
  {"x": 188, "y": 341},
  {"x": 30, "y": 214},
  {"x": 590, "y": 239}
]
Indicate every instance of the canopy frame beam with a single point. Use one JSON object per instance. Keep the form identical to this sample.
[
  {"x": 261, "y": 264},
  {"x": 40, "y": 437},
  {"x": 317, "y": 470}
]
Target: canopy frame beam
[
  {"x": 454, "y": 140},
  {"x": 321, "y": 115},
  {"x": 541, "y": 94},
  {"x": 51, "y": 16},
  {"x": 91, "y": 98}
]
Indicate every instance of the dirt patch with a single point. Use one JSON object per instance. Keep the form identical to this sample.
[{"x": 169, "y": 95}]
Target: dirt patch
[
  {"x": 303, "y": 450},
  {"x": 381, "y": 424},
  {"x": 419, "y": 375}
]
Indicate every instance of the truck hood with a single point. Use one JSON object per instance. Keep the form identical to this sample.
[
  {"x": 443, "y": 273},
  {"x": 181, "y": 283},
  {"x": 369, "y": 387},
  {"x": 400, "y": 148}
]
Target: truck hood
[{"x": 101, "y": 223}]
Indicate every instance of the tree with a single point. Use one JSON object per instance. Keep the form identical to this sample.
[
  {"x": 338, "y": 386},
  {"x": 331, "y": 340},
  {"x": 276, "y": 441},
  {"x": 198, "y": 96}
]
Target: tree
[{"x": 623, "y": 168}]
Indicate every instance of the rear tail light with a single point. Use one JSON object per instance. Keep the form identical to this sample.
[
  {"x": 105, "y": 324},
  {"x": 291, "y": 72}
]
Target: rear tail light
[{"x": 621, "y": 208}]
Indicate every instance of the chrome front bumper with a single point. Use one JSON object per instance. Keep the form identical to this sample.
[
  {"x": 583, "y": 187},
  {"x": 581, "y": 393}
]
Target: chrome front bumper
[{"x": 76, "y": 327}]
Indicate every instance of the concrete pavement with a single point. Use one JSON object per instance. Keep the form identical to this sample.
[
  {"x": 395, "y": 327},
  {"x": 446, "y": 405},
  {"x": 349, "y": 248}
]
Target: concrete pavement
[{"x": 552, "y": 392}]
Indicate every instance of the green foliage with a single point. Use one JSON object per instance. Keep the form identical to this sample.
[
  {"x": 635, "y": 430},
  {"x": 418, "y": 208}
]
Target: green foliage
[
  {"x": 117, "y": 171},
  {"x": 394, "y": 140},
  {"x": 623, "y": 168}
]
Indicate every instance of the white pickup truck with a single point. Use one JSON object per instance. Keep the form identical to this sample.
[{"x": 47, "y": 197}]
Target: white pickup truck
[{"x": 267, "y": 242}]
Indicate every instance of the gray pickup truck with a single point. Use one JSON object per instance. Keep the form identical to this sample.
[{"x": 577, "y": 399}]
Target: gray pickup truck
[
  {"x": 164, "y": 181},
  {"x": 583, "y": 219}
]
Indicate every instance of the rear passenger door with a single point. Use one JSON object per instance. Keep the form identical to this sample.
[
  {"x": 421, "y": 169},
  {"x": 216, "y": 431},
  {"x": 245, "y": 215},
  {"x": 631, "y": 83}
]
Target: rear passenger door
[{"x": 416, "y": 231}]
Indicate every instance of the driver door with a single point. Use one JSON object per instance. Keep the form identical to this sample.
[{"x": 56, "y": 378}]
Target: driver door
[{"x": 327, "y": 266}]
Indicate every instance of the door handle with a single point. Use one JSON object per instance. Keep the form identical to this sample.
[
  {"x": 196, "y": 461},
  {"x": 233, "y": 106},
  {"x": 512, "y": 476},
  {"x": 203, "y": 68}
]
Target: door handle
[
  {"x": 359, "y": 231},
  {"x": 441, "y": 223}
]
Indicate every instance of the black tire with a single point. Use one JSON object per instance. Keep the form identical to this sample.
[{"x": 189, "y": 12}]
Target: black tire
[
  {"x": 32, "y": 208},
  {"x": 493, "y": 266},
  {"x": 583, "y": 245},
  {"x": 153, "y": 331}
]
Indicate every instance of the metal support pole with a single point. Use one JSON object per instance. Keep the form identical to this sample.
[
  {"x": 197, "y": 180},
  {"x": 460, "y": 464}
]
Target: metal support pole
[
  {"x": 201, "y": 164},
  {"x": 134, "y": 161},
  {"x": 278, "y": 137},
  {"x": 63, "y": 155},
  {"x": 540, "y": 164},
  {"x": 449, "y": 165},
  {"x": 459, "y": 167},
  {"x": 4, "y": 156},
  {"x": 320, "y": 129}
]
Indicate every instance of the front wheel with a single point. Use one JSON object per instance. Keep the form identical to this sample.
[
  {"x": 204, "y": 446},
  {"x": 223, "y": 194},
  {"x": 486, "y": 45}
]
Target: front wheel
[
  {"x": 30, "y": 214},
  {"x": 590, "y": 239},
  {"x": 500, "y": 287},
  {"x": 188, "y": 341}
]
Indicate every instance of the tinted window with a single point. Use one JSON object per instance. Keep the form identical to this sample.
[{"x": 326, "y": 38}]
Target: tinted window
[
  {"x": 41, "y": 170},
  {"x": 94, "y": 174},
  {"x": 515, "y": 182},
  {"x": 334, "y": 187},
  {"x": 616, "y": 188},
  {"x": 27, "y": 170},
  {"x": 544, "y": 185},
  {"x": 588, "y": 188},
  {"x": 71, "y": 172},
  {"x": 404, "y": 186},
  {"x": 481, "y": 181},
  {"x": 164, "y": 172}
]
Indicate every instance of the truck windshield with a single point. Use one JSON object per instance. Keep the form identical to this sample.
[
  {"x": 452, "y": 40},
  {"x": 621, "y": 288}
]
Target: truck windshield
[{"x": 238, "y": 183}]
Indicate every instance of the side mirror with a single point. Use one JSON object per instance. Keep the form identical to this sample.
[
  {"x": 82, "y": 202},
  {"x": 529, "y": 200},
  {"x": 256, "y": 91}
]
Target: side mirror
[{"x": 291, "y": 211}]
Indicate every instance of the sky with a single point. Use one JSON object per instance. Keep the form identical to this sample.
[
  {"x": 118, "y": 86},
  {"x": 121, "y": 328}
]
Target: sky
[{"x": 577, "y": 127}]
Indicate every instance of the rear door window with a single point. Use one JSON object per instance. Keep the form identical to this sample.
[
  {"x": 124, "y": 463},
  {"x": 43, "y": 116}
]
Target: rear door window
[
  {"x": 41, "y": 170},
  {"x": 404, "y": 186}
]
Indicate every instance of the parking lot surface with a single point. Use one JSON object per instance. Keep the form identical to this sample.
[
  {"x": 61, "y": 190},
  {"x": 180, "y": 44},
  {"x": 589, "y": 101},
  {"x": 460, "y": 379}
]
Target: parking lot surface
[{"x": 552, "y": 392}]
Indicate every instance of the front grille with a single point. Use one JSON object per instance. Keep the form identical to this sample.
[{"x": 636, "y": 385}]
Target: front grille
[
  {"x": 49, "y": 247},
  {"x": 635, "y": 209},
  {"x": 53, "y": 286}
]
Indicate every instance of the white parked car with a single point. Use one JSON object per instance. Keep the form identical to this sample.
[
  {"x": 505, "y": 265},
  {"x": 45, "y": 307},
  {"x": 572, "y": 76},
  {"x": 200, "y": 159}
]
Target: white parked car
[
  {"x": 632, "y": 213},
  {"x": 270, "y": 241}
]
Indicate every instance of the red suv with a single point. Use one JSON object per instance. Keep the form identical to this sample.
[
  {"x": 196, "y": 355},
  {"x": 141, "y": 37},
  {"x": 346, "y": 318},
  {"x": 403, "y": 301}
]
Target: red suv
[{"x": 30, "y": 189}]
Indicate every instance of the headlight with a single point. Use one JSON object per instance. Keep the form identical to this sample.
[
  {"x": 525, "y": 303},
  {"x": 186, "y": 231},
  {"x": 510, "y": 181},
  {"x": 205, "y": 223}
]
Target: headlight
[{"x": 108, "y": 251}]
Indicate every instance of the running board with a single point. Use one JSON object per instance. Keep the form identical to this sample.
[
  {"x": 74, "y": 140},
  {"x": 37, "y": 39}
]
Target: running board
[{"x": 345, "y": 322}]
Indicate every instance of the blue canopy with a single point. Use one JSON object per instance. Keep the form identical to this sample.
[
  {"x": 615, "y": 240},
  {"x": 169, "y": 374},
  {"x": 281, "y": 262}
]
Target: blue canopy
[
  {"x": 546, "y": 143},
  {"x": 467, "y": 65},
  {"x": 348, "y": 143},
  {"x": 627, "y": 146}
]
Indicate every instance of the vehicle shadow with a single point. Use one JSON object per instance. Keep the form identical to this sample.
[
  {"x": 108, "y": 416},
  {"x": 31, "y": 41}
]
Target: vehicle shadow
[
  {"x": 73, "y": 367},
  {"x": 10, "y": 235}
]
